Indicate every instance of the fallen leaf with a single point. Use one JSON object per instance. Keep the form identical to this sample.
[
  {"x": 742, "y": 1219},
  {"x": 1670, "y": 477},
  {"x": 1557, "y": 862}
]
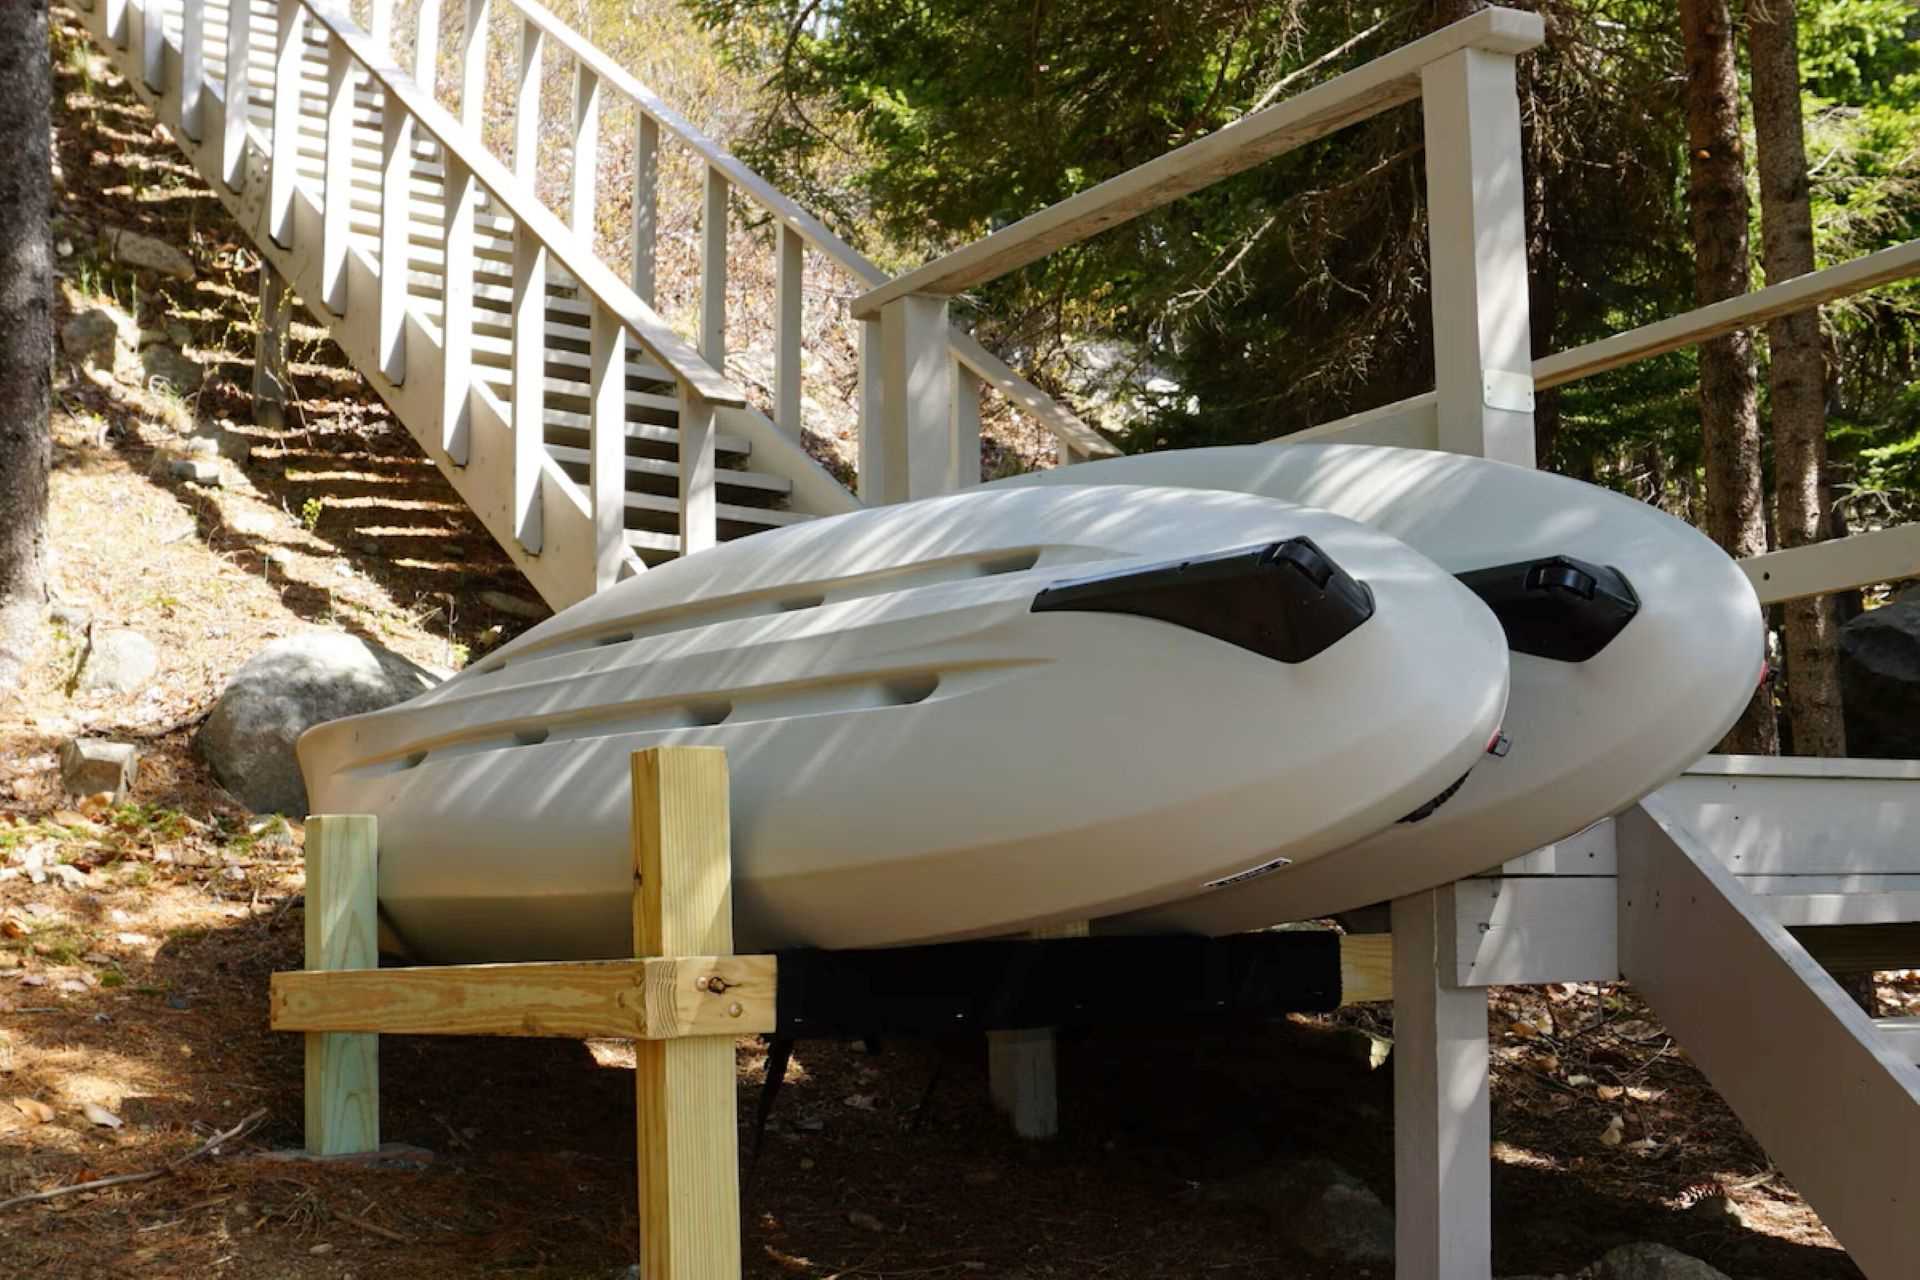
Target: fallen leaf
[
  {"x": 1525, "y": 1030},
  {"x": 860, "y": 1101},
  {"x": 11, "y": 928},
  {"x": 1609, "y": 1092},
  {"x": 1616, "y": 1130},
  {"x": 99, "y": 1115},
  {"x": 34, "y": 1110}
]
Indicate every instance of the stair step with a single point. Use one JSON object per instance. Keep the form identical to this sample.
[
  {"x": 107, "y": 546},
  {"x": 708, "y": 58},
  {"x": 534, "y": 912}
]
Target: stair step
[
  {"x": 668, "y": 473},
  {"x": 727, "y": 513}
]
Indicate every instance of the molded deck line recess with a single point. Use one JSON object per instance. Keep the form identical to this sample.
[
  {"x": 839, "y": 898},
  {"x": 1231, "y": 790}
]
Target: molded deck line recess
[
  {"x": 787, "y": 599},
  {"x": 872, "y": 691}
]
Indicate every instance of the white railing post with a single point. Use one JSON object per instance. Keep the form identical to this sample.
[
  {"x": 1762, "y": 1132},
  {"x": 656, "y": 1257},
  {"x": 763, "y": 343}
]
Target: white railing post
[
  {"x": 790, "y": 254},
  {"x": 646, "y": 202},
  {"x": 462, "y": 194},
  {"x": 883, "y": 457},
  {"x": 586, "y": 154},
  {"x": 117, "y": 26},
  {"x": 607, "y": 447},
  {"x": 529, "y": 314},
  {"x": 917, "y": 398},
  {"x": 233, "y": 139},
  {"x": 153, "y": 45},
  {"x": 283, "y": 166},
  {"x": 396, "y": 230},
  {"x": 713, "y": 271},
  {"x": 1476, "y": 220},
  {"x": 963, "y": 427},
  {"x": 380, "y": 26},
  {"x": 193, "y": 66},
  {"x": 699, "y": 486},
  {"x": 426, "y": 47},
  {"x": 336, "y": 213},
  {"x": 473, "y": 66}
]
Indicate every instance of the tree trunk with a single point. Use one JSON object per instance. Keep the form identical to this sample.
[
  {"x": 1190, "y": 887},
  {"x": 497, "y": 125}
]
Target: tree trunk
[
  {"x": 1797, "y": 375},
  {"x": 26, "y": 331},
  {"x": 1729, "y": 397}
]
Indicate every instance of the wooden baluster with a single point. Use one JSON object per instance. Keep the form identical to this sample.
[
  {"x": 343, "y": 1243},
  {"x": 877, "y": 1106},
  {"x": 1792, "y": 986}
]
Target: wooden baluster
[
  {"x": 713, "y": 272},
  {"x": 607, "y": 447},
  {"x": 396, "y": 228},
  {"x": 473, "y": 66},
  {"x": 456, "y": 324},
  {"x": 789, "y": 315},
  {"x": 193, "y": 66},
  {"x": 233, "y": 139},
  {"x": 646, "y": 206},
  {"x": 283, "y": 163},
  {"x": 586, "y": 154},
  {"x": 337, "y": 184},
  {"x": 153, "y": 45},
  {"x": 380, "y": 26},
  {"x": 963, "y": 428},
  {"x": 529, "y": 316},
  {"x": 117, "y": 27},
  {"x": 699, "y": 503},
  {"x": 880, "y": 461},
  {"x": 426, "y": 47}
]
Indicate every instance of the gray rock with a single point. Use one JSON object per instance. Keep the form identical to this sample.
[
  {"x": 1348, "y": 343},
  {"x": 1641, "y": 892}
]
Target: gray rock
[
  {"x": 92, "y": 765},
  {"x": 1650, "y": 1262},
  {"x": 145, "y": 253},
  {"x": 100, "y": 337},
  {"x": 63, "y": 247},
  {"x": 201, "y": 471},
  {"x": 286, "y": 689},
  {"x": 163, "y": 364},
  {"x": 118, "y": 661},
  {"x": 1320, "y": 1207},
  {"x": 1880, "y": 679},
  {"x": 514, "y": 606}
]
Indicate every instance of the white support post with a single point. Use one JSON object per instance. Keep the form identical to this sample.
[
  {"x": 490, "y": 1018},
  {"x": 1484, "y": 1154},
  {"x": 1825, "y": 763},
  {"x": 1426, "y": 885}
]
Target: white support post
[
  {"x": 882, "y": 460},
  {"x": 917, "y": 397},
  {"x": 462, "y": 194},
  {"x": 699, "y": 486},
  {"x": 426, "y": 47},
  {"x": 790, "y": 263},
  {"x": 396, "y": 227},
  {"x": 1476, "y": 220},
  {"x": 713, "y": 271},
  {"x": 380, "y": 26},
  {"x": 473, "y": 66},
  {"x": 607, "y": 447},
  {"x": 193, "y": 67},
  {"x": 233, "y": 135},
  {"x": 529, "y": 313},
  {"x": 586, "y": 153},
  {"x": 1442, "y": 1120},
  {"x": 337, "y": 183},
  {"x": 283, "y": 165},
  {"x": 963, "y": 429},
  {"x": 646, "y": 206},
  {"x": 1022, "y": 1066},
  {"x": 1065, "y": 455},
  {"x": 117, "y": 26},
  {"x": 153, "y": 45}
]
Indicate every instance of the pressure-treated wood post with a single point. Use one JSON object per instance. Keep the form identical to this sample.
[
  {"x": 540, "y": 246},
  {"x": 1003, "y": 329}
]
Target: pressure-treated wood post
[
  {"x": 343, "y": 1068},
  {"x": 1442, "y": 1123},
  {"x": 270, "y": 378},
  {"x": 684, "y": 1088}
]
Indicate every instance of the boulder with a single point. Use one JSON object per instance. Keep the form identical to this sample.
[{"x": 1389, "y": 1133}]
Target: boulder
[
  {"x": 201, "y": 471},
  {"x": 118, "y": 661},
  {"x": 1650, "y": 1262},
  {"x": 514, "y": 606},
  {"x": 145, "y": 253},
  {"x": 100, "y": 338},
  {"x": 163, "y": 364},
  {"x": 89, "y": 766},
  {"x": 1880, "y": 679},
  {"x": 1318, "y": 1206},
  {"x": 286, "y": 689}
]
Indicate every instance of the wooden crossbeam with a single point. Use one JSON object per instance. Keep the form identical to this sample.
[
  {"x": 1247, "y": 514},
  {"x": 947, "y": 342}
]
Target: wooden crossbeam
[{"x": 642, "y": 999}]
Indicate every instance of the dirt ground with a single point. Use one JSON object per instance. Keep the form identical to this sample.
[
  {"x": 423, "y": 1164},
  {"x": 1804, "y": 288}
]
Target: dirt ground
[{"x": 136, "y": 941}]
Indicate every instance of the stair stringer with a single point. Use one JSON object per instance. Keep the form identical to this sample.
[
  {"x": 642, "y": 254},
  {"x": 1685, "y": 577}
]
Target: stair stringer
[{"x": 1833, "y": 1103}]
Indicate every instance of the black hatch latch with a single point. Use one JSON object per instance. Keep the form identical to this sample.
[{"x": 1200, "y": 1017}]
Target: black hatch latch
[
  {"x": 1558, "y": 607},
  {"x": 1284, "y": 600}
]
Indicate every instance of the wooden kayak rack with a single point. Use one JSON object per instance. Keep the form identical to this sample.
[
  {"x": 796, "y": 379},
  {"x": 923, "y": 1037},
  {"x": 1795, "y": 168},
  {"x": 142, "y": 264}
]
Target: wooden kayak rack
[{"x": 684, "y": 997}]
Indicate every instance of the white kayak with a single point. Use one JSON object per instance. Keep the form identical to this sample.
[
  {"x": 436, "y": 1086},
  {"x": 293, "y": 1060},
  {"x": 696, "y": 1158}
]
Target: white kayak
[
  {"x": 1637, "y": 643},
  {"x": 952, "y": 718}
]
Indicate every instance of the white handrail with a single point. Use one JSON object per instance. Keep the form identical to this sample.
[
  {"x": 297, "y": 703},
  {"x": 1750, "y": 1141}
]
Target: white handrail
[
  {"x": 657, "y": 115},
  {"x": 1347, "y": 99}
]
